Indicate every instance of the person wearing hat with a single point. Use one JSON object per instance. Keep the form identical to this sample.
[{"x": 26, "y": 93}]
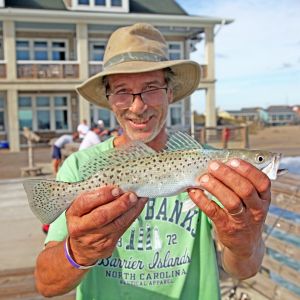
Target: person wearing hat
[{"x": 111, "y": 244}]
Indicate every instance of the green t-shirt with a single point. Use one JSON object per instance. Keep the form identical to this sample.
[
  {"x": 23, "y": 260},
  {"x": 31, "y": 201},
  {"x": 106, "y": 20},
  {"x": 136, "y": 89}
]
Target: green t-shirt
[{"x": 165, "y": 254}]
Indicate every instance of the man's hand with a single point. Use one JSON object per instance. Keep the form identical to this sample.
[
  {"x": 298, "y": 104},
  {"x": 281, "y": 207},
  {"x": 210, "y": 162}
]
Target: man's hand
[
  {"x": 244, "y": 191},
  {"x": 97, "y": 219}
]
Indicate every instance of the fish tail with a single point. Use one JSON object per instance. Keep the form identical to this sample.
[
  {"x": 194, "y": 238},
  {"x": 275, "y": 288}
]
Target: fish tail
[{"x": 47, "y": 198}]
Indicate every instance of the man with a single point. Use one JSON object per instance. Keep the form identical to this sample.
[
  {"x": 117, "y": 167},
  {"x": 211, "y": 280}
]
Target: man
[
  {"x": 91, "y": 138},
  {"x": 56, "y": 149},
  {"x": 82, "y": 129},
  {"x": 112, "y": 245}
]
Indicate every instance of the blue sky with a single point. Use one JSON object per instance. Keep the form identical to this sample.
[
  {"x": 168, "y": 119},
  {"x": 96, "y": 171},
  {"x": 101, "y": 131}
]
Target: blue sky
[{"x": 257, "y": 56}]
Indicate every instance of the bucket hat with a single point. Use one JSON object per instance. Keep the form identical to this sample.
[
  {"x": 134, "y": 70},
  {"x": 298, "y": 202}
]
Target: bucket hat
[{"x": 135, "y": 49}]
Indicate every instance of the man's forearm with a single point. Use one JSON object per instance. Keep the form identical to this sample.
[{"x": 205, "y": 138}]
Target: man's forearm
[
  {"x": 54, "y": 274},
  {"x": 240, "y": 267}
]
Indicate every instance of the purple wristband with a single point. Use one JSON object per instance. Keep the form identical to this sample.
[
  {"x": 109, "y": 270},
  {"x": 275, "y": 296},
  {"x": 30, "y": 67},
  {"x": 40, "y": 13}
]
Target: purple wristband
[{"x": 72, "y": 261}]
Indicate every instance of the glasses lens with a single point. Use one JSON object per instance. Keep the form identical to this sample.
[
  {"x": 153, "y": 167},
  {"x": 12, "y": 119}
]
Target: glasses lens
[
  {"x": 121, "y": 100},
  {"x": 154, "y": 97}
]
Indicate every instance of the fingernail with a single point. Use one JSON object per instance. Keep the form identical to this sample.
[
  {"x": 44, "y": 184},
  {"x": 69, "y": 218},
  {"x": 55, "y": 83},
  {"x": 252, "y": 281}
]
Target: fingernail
[
  {"x": 235, "y": 163},
  {"x": 115, "y": 192},
  {"x": 204, "y": 179},
  {"x": 132, "y": 198},
  {"x": 214, "y": 166}
]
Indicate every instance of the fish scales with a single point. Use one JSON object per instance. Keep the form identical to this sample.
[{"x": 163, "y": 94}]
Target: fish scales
[{"x": 142, "y": 170}]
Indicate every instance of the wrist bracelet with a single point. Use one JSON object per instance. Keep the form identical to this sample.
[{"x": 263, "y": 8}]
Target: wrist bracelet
[{"x": 72, "y": 261}]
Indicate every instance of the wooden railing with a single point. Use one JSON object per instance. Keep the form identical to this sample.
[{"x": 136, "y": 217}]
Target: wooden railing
[
  {"x": 95, "y": 67},
  {"x": 224, "y": 136},
  {"x": 286, "y": 196},
  {"x": 47, "y": 70}
]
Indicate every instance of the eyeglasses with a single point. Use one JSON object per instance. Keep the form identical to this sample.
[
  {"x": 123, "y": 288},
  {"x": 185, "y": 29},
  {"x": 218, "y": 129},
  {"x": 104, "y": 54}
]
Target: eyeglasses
[{"x": 149, "y": 97}]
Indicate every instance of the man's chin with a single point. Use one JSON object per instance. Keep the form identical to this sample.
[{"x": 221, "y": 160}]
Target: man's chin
[{"x": 144, "y": 137}]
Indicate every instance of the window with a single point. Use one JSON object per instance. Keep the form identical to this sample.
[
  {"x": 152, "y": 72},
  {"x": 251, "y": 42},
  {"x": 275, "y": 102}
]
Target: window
[
  {"x": 61, "y": 112},
  {"x": 2, "y": 113},
  {"x": 175, "y": 115},
  {"x": 100, "y": 2},
  {"x": 44, "y": 112},
  {"x": 23, "y": 52},
  {"x": 41, "y": 50},
  {"x": 116, "y": 3},
  {"x": 102, "y": 5},
  {"x": 103, "y": 114},
  {"x": 175, "y": 50},
  {"x": 96, "y": 50}
]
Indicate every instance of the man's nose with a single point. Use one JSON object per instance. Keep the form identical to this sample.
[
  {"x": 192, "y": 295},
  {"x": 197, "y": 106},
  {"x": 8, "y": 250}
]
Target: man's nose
[{"x": 138, "y": 105}]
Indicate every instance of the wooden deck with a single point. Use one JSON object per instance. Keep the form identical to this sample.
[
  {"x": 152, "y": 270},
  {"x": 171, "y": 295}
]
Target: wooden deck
[{"x": 22, "y": 238}]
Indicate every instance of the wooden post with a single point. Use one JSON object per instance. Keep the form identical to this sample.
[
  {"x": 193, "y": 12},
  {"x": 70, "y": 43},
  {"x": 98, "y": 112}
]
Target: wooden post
[
  {"x": 245, "y": 136},
  {"x": 30, "y": 154}
]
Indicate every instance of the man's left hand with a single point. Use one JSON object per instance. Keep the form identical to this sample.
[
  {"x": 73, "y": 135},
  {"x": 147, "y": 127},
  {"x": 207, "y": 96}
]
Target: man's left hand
[{"x": 244, "y": 192}]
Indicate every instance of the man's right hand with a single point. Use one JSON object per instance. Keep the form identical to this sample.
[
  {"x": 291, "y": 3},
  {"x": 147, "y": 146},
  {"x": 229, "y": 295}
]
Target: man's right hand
[{"x": 97, "y": 219}]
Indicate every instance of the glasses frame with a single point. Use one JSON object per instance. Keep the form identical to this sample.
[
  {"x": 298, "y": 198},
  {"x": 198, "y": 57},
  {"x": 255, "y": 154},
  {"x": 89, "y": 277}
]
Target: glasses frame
[{"x": 137, "y": 94}]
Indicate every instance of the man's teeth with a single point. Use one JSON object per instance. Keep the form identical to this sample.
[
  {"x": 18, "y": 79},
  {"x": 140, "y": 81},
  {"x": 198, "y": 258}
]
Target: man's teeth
[{"x": 139, "y": 121}]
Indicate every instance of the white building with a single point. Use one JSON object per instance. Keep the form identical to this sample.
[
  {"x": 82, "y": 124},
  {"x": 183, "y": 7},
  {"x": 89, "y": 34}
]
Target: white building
[{"x": 49, "y": 47}]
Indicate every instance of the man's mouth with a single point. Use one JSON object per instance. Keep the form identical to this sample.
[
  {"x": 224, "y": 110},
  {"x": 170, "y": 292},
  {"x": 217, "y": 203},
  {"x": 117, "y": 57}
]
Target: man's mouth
[{"x": 139, "y": 123}]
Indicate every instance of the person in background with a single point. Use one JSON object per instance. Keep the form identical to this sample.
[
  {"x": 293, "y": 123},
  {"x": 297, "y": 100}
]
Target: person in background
[
  {"x": 57, "y": 146},
  {"x": 104, "y": 133},
  {"x": 82, "y": 129},
  {"x": 91, "y": 138},
  {"x": 110, "y": 244}
]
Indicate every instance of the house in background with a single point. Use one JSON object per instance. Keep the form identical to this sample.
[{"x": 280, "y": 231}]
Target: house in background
[
  {"x": 273, "y": 115},
  {"x": 281, "y": 115},
  {"x": 48, "y": 47}
]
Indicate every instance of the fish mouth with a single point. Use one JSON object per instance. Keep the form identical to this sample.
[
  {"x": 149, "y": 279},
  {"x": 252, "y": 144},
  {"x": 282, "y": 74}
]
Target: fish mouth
[{"x": 271, "y": 170}]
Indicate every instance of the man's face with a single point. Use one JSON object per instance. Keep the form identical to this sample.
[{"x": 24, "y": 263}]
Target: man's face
[{"x": 141, "y": 121}]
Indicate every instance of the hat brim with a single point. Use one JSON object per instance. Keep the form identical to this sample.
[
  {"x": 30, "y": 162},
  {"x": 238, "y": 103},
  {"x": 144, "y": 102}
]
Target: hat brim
[{"x": 187, "y": 78}]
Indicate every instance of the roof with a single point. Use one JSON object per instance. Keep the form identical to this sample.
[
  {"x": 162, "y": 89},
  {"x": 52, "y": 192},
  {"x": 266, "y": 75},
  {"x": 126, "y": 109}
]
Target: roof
[
  {"x": 280, "y": 109},
  {"x": 165, "y": 7},
  {"x": 36, "y": 4}
]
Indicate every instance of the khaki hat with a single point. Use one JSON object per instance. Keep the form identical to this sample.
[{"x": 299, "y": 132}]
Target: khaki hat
[{"x": 135, "y": 49}]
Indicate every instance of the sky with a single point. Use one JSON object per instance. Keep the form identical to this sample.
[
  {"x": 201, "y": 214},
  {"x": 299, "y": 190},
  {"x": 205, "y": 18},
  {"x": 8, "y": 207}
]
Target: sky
[{"x": 257, "y": 56}]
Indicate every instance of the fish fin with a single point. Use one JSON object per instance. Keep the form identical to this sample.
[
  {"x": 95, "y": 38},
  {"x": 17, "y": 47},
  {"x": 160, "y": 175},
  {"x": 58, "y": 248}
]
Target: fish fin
[
  {"x": 188, "y": 205},
  {"x": 48, "y": 198},
  {"x": 181, "y": 141},
  {"x": 109, "y": 158}
]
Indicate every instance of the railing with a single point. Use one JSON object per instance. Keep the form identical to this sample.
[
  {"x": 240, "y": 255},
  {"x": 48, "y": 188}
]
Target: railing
[
  {"x": 279, "y": 276},
  {"x": 223, "y": 136},
  {"x": 95, "y": 67},
  {"x": 2, "y": 69},
  {"x": 47, "y": 70}
]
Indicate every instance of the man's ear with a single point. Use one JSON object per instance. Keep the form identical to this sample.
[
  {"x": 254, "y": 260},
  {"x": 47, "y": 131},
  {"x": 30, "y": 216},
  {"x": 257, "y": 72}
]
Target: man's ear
[{"x": 170, "y": 95}]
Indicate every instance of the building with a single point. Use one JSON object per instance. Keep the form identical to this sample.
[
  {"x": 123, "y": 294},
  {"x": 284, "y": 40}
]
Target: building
[
  {"x": 249, "y": 114},
  {"x": 273, "y": 115},
  {"x": 281, "y": 115},
  {"x": 48, "y": 47}
]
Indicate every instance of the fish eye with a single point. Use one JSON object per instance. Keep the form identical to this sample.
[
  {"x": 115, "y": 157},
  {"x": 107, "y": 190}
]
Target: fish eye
[{"x": 260, "y": 158}]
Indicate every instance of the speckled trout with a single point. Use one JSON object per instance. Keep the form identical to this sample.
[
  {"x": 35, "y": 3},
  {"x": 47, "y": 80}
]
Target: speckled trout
[{"x": 140, "y": 169}]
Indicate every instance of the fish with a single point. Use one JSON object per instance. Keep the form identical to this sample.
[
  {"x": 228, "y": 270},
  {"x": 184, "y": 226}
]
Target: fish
[{"x": 142, "y": 170}]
